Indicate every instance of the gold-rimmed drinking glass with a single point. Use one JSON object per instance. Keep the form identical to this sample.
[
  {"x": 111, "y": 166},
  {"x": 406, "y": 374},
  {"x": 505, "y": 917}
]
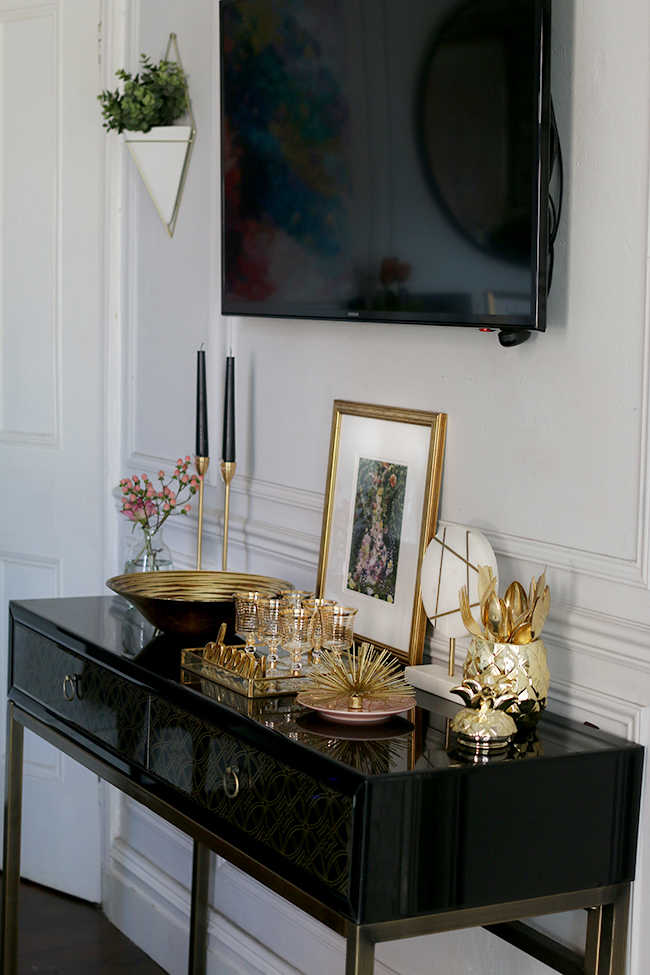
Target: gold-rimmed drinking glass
[
  {"x": 294, "y": 597},
  {"x": 246, "y": 616},
  {"x": 316, "y": 606},
  {"x": 268, "y": 609},
  {"x": 296, "y": 631},
  {"x": 338, "y": 628}
]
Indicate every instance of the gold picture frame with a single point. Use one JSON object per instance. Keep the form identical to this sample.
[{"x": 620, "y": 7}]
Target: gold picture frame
[{"x": 381, "y": 508}]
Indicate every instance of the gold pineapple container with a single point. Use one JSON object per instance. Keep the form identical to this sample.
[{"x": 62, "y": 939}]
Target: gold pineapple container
[
  {"x": 525, "y": 664},
  {"x": 505, "y": 643}
]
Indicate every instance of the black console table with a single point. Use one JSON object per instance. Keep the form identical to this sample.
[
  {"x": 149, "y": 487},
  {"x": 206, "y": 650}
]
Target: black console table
[{"x": 380, "y": 839}]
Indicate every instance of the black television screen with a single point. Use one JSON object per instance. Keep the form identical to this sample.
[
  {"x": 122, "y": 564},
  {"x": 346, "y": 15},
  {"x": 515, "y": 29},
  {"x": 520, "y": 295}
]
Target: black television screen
[{"x": 386, "y": 160}]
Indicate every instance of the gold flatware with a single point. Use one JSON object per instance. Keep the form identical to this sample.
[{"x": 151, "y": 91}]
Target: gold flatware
[
  {"x": 509, "y": 595},
  {"x": 515, "y": 597},
  {"x": 540, "y": 613},
  {"x": 466, "y": 614},
  {"x": 494, "y": 615},
  {"x": 485, "y": 577},
  {"x": 541, "y": 585},
  {"x": 503, "y": 625},
  {"x": 488, "y": 592},
  {"x": 507, "y": 621},
  {"x": 521, "y": 633}
]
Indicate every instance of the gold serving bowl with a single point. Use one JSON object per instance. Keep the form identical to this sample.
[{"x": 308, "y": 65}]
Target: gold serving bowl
[{"x": 190, "y": 602}]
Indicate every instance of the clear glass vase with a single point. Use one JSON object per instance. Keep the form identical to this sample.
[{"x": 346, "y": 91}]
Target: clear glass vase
[{"x": 148, "y": 553}]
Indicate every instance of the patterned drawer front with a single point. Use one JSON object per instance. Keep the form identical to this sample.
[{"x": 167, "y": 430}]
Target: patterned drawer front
[
  {"x": 82, "y": 692},
  {"x": 293, "y": 814}
]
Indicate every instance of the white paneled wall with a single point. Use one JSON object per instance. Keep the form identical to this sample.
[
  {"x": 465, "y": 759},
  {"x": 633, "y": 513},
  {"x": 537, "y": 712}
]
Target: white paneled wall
[
  {"x": 53, "y": 504},
  {"x": 546, "y": 449},
  {"x": 28, "y": 50}
]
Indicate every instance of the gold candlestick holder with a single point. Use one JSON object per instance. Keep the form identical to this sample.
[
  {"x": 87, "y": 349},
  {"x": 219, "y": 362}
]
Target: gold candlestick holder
[
  {"x": 227, "y": 468},
  {"x": 201, "y": 464}
]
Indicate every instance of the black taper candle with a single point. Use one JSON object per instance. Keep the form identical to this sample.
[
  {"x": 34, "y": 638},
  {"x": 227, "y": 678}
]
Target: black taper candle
[
  {"x": 202, "y": 449},
  {"x": 228, "y": 452}
]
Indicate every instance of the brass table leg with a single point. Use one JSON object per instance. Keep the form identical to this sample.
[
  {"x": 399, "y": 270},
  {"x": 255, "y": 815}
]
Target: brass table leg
[
  {"x": 199, "y": 910},
  {"x": 360, "y": 953},
  {"x": 11, "y": 869},
  {"x": 606, "y": 945}
]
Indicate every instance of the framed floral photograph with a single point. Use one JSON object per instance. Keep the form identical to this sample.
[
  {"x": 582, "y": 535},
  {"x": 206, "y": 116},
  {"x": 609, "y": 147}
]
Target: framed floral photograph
[{"x": 381, "y": 510}]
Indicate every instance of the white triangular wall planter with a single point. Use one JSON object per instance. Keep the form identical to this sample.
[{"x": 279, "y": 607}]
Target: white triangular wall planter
[{"x": 162, "y": 156}]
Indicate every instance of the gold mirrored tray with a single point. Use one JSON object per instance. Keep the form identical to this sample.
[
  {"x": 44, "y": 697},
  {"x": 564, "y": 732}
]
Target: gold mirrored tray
[{"x": 276, "y": 682}]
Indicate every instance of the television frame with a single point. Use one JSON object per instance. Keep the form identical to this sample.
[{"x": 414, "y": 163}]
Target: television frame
[{"x": 514, "y": 328}]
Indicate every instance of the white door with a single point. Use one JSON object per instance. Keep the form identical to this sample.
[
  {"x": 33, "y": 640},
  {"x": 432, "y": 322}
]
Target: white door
[{"x": 50, "y": 379}]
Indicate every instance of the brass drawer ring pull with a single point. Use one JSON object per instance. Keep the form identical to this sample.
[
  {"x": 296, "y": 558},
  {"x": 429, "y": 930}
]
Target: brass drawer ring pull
[
  {"x": 72, "y": 687},
  {"x": 231, "y": 791}
]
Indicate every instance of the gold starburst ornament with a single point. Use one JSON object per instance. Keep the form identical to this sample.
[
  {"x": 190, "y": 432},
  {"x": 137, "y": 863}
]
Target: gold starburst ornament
[{"x": 367, "y": 674}]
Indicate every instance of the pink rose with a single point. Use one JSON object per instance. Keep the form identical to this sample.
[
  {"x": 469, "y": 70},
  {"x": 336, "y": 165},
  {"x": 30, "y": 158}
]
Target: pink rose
[
  {"x": 188, "y": 507},
  {"x": 140, "y": 511}
]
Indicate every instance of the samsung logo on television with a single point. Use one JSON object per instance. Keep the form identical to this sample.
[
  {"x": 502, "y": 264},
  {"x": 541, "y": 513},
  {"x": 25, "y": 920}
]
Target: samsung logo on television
[{"x": 353, "y": 314}]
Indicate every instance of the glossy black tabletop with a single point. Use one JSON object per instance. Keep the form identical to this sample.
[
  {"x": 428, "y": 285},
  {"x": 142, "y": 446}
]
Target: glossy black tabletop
[
  {"x": 420, "y": 826},
  {"x": 113, "y": 631}
]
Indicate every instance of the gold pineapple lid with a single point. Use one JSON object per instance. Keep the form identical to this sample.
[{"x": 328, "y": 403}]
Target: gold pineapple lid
[{"x": 484, "y": 726}]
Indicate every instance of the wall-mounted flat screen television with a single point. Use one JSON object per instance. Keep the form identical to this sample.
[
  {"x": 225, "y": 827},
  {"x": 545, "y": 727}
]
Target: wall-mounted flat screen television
[{"x": 386, "y": 160}]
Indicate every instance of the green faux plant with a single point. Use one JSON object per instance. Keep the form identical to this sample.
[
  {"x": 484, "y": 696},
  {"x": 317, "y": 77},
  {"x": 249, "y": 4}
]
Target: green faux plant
[{"x": 157, "y": 96}]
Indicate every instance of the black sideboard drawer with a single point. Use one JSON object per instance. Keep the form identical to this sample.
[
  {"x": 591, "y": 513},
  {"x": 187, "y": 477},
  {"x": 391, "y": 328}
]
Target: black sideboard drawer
[
  {"x": 82, "y": 692},
  {"x": 304, "y": 822}
]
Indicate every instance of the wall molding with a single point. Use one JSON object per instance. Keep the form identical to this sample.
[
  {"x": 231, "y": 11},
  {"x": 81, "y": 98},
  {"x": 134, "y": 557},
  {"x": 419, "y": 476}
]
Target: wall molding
[
  {"x": 8, "y": 558},
  {"x": 619, "y": 641},
  {"x": 15, "y": 13},
  {"x": 130, "y": 239},
  {"x": 615, "y": 639},
  {"x": 52, "y": 772},
  {"x": 242, "y": 485},
  {"x": 626, "y": 719},
  {"x": 146, "y": 889},
  {"x": 28, "y": 11},
  {"x": 153, "y": 909},
  {"x": 15, "y": 438},
  {"x": 281, "y": 494},
  {"x": 28, "y": 558},
  {"x": 112, "y": 41},
  {"x": 628, "y": 572}
]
